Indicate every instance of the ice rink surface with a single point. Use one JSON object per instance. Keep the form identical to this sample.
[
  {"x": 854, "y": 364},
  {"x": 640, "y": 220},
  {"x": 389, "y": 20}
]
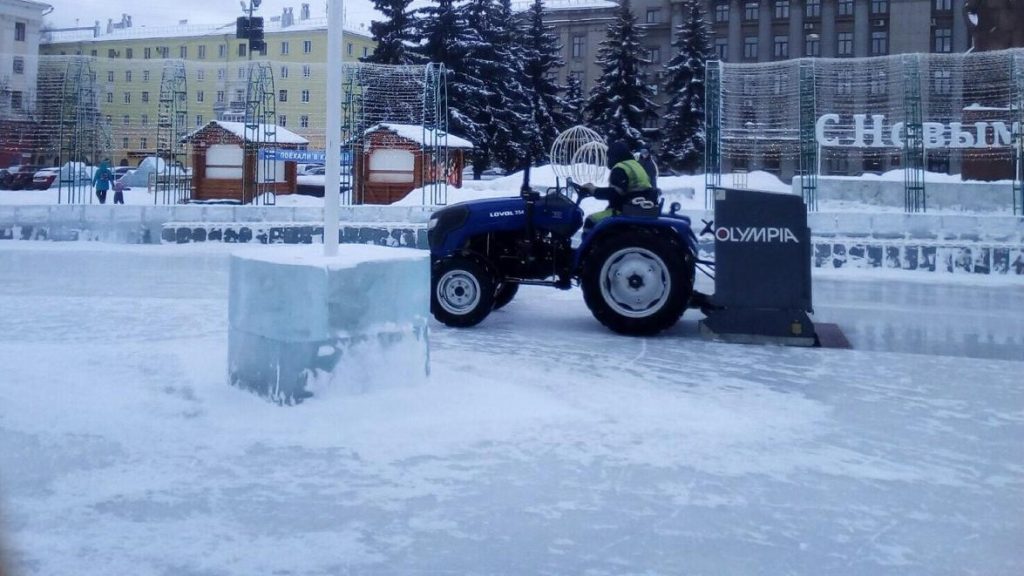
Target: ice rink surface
[{"x": 543, "y": 444}]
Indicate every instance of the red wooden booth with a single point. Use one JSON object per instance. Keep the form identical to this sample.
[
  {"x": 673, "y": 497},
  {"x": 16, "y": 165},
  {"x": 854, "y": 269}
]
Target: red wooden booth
[
  {"x": 219, "y": 159},
  {"x": 392, "y": 160}
]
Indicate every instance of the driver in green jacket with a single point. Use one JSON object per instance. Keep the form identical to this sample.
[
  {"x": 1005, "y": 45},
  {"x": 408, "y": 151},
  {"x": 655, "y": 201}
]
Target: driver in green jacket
[{"x": 628, "y": 180}]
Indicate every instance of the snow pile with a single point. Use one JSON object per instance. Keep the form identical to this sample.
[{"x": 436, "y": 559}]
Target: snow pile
[{"x": 351, "y": 323}]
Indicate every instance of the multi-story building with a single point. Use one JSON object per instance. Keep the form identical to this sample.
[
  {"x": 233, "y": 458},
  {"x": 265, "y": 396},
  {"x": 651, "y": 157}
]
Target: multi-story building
[
  {"x": 765, "y": 31},
  {"x": 20, "y": 21},
  {"x": 128, "y": 63}
]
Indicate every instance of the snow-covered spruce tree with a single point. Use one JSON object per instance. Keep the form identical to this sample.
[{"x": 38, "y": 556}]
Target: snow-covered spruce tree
[
  {"x": 447, "y": 39},
  {"x": 492, "y": 62},
  {"x": 392, "y": 34},
  {"x": 620, "y": 102},
  {"x": 682, "y": 143},
  {"x": 573, "y": 100},
  {"x": 540, "y": 68},
  {"x": 511, "y": 127}
]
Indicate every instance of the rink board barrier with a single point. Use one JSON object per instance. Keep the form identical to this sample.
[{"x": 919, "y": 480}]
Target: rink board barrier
[{"x": 953, "y": 243}]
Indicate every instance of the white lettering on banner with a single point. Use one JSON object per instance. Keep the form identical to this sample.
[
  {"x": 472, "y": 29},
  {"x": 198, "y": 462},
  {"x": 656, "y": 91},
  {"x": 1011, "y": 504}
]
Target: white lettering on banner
[
  {"x": 832, "y": 130},
  {"x": 755, "y": 234},
  {"x": 819, "y": 130},
  {"x": 958, "y": 138}
]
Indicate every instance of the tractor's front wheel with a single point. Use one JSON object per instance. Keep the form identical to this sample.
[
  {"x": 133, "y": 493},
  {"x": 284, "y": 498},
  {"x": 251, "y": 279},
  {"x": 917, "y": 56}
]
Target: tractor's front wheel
[
  {"x": 462, "y": 293},
  {"x": 638, "y": 282}
]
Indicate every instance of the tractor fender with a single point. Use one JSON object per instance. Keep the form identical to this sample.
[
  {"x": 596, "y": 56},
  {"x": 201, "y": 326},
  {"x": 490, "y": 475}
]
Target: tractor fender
[{"x": 615, "y": 225}]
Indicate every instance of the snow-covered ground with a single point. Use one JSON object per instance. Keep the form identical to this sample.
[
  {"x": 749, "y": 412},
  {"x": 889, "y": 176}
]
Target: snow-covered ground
[{"x": 542, "y": 443}]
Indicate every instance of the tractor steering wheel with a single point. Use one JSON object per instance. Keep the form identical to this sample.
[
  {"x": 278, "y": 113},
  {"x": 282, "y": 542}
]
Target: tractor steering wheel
[{"x": 580, "y": 192}]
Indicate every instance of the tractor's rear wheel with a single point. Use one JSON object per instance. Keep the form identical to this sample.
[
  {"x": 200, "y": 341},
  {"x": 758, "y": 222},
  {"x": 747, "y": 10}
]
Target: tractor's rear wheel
[
  {"x": 505, "y": 293},
  {"x": 462, "y": 292},
  {"x": 638, "y": 282}
]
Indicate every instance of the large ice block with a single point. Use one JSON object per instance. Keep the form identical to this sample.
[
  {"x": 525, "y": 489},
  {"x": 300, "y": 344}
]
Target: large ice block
[{"x": 302, "y": 324}]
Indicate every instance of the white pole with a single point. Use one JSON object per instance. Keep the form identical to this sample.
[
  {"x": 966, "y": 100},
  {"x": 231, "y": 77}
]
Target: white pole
[{"x": 332, "y": 174}]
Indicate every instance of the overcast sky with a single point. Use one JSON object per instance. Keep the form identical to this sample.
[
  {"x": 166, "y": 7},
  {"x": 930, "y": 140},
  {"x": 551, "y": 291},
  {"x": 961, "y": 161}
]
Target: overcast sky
[{"x": 67, "y": 13}]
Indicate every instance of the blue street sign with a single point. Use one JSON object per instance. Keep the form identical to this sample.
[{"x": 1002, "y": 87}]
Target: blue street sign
[{"x": 303, "y": 156}]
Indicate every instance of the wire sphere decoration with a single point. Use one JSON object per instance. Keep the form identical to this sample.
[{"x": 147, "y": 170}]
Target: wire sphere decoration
[
  {"x": 565, "y": 154},
  {"x": 590, "y": 163}
]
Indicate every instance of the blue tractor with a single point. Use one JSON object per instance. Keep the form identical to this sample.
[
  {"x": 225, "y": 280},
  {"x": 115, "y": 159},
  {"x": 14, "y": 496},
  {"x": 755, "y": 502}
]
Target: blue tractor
[{"x": 636, "y": 268}]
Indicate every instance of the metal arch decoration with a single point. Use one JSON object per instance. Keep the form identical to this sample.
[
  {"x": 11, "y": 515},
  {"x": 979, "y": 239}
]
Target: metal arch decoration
[{"x": 579, "y": 153}]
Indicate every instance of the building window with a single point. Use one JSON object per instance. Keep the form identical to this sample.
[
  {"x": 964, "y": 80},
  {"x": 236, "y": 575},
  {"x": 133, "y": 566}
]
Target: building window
[
  {"x": 366, "y": 51},
  {"x": 653, "y": 15},
  {"x": 241, "y": 73},
  {"x": 846, "y": 7},
  {"x": 577, "y": 76},
  {"x": 812, "y": 9},
  {"x": 199, "y": 120},
  {"x": 200, "y": 96},
  {"x": 19, "y": 31},
  {"x": 221, "y": 73},
  {"x": 750, "y": 10},
  {"x": 282, "y": 120},
  {"x": 19, "y": 65},
  {"x": 127, "y": 75},
  {"x": 110, "y": 75},
  {"x": 879, "y": 6},
  {"x": 722, "y": 48},
  {"x": 304, "y": 121},
  {"x": 722, "y": 12},
  {"x": 143, "y": 143},
  {"x": 92, "y": 53},
  {"x": 110, "y": 97},
  {"x": 183, "y": 52},
  {"x": 16, "y": 100},
  {"x": 111, "y": 53},
  {"x": 282, "y": 96},
  {"x": 879, "y": 43},
  {"x": 942, "y": 82},
  {"x": 305, "y": 95},
  {"x": 348, "y": 49},
  {"x": 943, "y": 40},
  {"x": 654, "y": 55},
  {"x": 579, "y": 43},
  {"x": 879, "y": 85},
  {"x": 844, "y": 83},
  {"x": 128, "y": 53},
  {"x": 284, "y": 71},
  {"x": 284, "y": 48},
  {"x": 147, "y": 53},
  {"x": 202, "y": 51},
  {"x": 220, "y": 96},
  {"x": 943, "y": 5},
  {"x": 222, "y": 51},
  {"x": 780, "y": 47},
  {"x": 781, "y": 9},
  {"x": 164, "y": 51},
  {"x": 200, "y": 74},
  {"x": 145, "y": 96},
  {"x": 124, "y": 143},
  {"x": 844, "y": 44},
  {"x": 241, "y": 50},
  {"x": 307, "y": 70},
  {"x": 750, "y": 48},
  {"x": 239, "y": 95},
  {"x": 127, "y": 97},
  {"x": 127, "y": 120},
  {"x": 144, "y": 119},
  {"x": 307, "y": 46}
]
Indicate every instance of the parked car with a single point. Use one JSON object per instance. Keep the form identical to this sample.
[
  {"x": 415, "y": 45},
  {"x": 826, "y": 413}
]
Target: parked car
[
  {"x": 22, "y": 178},
  {"x": 44, "y": 178},
  {"x": 5, "y": 176}
]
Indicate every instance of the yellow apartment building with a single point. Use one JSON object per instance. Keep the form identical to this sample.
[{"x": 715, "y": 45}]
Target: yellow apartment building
[{"x": 129, "y": 63}]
